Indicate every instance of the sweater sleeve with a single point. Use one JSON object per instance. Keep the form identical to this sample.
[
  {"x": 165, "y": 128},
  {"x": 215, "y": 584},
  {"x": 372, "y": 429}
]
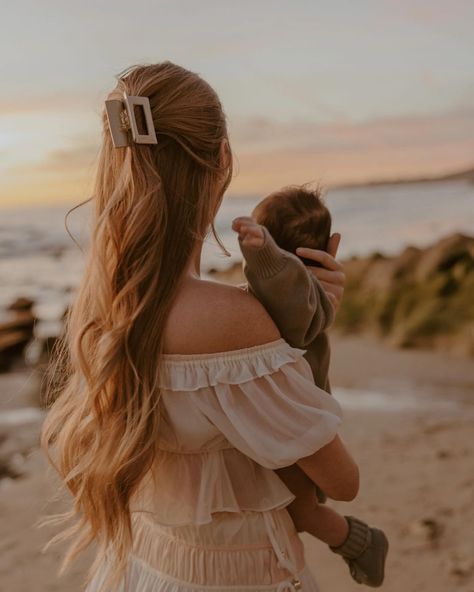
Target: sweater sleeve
[{"x": 291, "y": 294}]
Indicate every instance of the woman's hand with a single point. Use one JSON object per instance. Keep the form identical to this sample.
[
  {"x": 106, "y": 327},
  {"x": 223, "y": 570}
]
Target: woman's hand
[
  {"x": 331, "y": 275},
  {"x": 250, "y": 233}
]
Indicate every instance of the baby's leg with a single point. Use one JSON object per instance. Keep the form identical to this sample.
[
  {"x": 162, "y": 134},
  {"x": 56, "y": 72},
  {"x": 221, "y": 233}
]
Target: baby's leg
[
  {"x": 326, "y": 525},
  {"x": 307, "y": 514},
  {"x": 363, "y": 548}
]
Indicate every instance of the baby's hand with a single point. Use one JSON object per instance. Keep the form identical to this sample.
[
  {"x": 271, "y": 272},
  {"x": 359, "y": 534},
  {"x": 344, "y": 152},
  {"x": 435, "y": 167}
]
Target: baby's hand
[{"x": 250, "y": 233}]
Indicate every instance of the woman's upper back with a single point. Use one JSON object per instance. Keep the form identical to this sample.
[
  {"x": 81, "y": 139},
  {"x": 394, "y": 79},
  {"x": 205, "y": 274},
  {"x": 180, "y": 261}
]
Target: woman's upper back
[{"x": 208, "y": 317}]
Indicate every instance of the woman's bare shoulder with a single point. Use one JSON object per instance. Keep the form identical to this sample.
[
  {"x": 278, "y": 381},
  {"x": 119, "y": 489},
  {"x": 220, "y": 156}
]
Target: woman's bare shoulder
[{"x": 209, "y": 317}]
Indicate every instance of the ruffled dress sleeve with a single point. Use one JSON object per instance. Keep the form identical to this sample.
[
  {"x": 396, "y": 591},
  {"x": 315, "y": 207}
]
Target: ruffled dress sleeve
[
  {"x": 230, "y": 419},
  {"x": 275, "y": 418}
]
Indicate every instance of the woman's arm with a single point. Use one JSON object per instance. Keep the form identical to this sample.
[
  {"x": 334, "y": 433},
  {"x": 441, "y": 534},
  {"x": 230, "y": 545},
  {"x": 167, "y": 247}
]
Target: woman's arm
[{"x": 334, "y": 470}]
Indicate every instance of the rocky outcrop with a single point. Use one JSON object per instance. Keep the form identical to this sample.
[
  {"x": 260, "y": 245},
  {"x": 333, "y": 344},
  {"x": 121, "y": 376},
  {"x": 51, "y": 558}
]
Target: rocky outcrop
[{"x": 421, "y": 298}]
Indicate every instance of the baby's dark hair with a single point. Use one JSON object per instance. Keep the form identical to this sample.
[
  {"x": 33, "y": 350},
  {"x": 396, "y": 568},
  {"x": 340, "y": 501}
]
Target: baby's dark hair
[{"x": 295, "y": 217}]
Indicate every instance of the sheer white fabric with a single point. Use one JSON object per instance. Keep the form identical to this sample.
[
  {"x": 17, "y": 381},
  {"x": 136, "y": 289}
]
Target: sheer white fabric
[{"x": 211, "y": 511}]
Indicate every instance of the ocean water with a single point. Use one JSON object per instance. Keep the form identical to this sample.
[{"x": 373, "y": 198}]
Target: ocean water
[{"x": 38, "y": 259}]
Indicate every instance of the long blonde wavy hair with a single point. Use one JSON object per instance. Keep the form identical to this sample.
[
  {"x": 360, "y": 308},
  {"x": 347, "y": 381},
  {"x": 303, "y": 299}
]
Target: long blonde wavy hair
[{"x": 152, "y": 204}]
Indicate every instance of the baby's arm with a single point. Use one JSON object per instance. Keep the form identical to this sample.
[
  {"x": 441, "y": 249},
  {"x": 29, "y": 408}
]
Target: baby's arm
[{"x": 292, "y": 295}]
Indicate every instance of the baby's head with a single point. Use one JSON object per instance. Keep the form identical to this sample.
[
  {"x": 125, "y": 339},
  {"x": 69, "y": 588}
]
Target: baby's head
[{"x": 296, "y": 217}]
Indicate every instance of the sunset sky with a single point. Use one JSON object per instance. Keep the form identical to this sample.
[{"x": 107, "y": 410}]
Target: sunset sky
[{"x": 336, "y": 91}]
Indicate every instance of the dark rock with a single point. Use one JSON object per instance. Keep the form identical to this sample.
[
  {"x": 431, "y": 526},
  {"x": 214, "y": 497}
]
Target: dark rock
[
  {"x": 12, "y": 346},
  {"x": 16, "y": 332},
  {"x": 21, "y": 304}
]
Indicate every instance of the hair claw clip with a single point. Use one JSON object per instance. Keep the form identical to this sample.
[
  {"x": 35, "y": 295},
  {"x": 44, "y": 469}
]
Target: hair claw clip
[{"x": 120, "y": 120}]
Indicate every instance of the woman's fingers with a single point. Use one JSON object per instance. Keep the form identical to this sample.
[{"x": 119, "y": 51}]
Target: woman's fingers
[
  {"x": 330, "y": 276},
  {"x": 332, "y": 282},
  {"x": 334, "y": 293},
  {"x": 333, "y": 300},
  {"x": 322, "y": 257},
  {"x": 336, "y": 289},
  {"x": 326, "y": 286},
  {"x": 333, "y": 243}
]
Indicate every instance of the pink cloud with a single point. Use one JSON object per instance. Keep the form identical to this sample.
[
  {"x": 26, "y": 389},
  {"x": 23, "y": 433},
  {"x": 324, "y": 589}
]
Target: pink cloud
[{"x": 270, "y": 153}]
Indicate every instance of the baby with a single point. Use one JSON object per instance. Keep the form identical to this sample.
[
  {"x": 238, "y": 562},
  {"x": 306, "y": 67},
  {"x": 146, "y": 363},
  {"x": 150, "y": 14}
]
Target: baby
[{"x": 295, "y": 299}]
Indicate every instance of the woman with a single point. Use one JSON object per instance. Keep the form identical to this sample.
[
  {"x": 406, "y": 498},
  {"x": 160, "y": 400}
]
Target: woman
[{"x": 178, "y": 396}]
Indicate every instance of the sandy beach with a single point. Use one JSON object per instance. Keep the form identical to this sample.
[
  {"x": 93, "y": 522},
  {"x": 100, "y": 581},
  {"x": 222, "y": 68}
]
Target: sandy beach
[{"x": 413, "y": 439}]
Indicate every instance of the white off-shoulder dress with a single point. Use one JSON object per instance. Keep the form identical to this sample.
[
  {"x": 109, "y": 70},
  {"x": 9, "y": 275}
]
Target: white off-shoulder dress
[{"x": 211, "y": 514}]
